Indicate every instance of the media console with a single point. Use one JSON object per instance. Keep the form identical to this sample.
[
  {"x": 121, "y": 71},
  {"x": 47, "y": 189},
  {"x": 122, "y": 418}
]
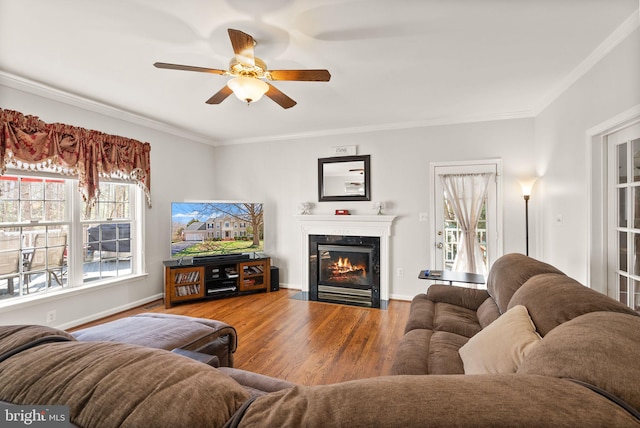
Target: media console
[{"x": 215, "y": 278}]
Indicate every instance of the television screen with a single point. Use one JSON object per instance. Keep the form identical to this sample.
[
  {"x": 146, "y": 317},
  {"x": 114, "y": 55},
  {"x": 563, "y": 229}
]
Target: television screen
[{"x": 216, "y": 228}]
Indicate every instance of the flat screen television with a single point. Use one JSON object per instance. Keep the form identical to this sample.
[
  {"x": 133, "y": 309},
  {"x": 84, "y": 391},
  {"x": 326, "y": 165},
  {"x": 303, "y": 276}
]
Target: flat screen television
[{"x": 216, "y": 228}]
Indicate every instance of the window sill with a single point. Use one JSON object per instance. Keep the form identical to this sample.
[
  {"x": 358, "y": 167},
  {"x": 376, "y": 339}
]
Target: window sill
[{"x": 36, "y": 299}]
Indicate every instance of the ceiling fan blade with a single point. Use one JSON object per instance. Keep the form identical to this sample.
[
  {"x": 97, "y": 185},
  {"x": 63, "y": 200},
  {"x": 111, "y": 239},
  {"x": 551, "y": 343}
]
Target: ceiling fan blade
[
  {"x": 279, "y": 97},
  {"x": 220, "y": 96},
  {"x": 242, "y": 46},
  {"x": 303, "y": 75},
  {"x": 188, "y": 68}
]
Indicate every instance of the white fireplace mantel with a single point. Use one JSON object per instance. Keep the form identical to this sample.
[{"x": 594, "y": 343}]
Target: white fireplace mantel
[{"x": 348, "y": 225}]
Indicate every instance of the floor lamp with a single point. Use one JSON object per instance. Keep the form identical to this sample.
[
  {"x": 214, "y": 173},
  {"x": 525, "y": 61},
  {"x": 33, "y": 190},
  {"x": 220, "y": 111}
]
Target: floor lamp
[
  {"x": 526, "y": 194},
  {"x": 526, "y": 220}
]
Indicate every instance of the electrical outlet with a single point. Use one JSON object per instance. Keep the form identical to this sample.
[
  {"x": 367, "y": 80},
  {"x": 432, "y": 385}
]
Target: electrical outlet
[
  {"x": 51, "y": 316},
  {"x": 400, "y": 272}
]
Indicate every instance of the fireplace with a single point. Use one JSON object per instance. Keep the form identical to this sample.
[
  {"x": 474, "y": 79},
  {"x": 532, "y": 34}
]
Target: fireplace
[
  {"x": 345, "y": 269},
  {"x": 347, "y": 230}
]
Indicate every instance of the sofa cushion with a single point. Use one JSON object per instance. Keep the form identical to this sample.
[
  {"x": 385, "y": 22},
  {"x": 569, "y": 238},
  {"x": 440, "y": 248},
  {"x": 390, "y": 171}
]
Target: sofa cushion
[
  {"x": 424, "y": 351},
  {"x": 465, "y": 297},
  {"x": 420, "y": 313},
  {"x": 509, "y": 272},
  {"x": 599, "y": 348},
  {"x": 113, "y": 384},
  {"x": 455, "y": 319},
  {"x": 502, "y": 346},
  {"x": 552, "y": 299}
]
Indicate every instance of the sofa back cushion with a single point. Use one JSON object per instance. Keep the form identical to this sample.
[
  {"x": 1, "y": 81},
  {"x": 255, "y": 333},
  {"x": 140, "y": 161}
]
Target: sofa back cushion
[
  {"x": 488, "y": 312},
  {"x": 552, "y": 299},
  {"x": 598, "y": 348},
  {"x": 509, "y": 272},
  {"x": 16, "y": 336},
  {"x": 506, "y": 400},
  {"x": 108, "y": 384}
]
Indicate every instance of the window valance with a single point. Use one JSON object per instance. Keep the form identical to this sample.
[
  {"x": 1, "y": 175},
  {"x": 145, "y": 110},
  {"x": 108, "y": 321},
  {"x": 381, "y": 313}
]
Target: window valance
[{"x": 28, "y": 142}]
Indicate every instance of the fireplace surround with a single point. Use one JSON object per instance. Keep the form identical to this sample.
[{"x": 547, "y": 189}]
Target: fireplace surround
[{"x": 344, "y": 231}]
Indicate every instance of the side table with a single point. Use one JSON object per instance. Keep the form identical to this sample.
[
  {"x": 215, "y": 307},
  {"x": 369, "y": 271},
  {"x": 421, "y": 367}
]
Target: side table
[{"x": 451, "y": 277}]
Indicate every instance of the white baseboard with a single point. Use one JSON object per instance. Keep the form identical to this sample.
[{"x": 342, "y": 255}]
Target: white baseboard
[{"x": 111, "y": 311}]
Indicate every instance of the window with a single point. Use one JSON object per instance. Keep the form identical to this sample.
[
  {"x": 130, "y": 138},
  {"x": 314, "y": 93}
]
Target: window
[
  {"x": 106, "y": 233},
  {"x": 452, "y": 233},
  {"x": 48, "y": 240}
]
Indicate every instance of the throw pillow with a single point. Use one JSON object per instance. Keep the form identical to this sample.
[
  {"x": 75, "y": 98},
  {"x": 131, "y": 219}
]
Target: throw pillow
[{"x": 502, "y": 345}]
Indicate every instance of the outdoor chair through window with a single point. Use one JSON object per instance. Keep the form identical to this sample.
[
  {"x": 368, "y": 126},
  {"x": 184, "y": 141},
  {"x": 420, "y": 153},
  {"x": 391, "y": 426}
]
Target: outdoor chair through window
[
  {"x": 48, "y": 256},
  {"x": 10, "y": 258}
]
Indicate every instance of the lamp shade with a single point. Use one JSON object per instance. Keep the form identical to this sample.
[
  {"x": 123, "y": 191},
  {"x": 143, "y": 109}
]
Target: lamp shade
[
  {"x": 527, "y": 186},
  {"x": 248, "y": 89}
]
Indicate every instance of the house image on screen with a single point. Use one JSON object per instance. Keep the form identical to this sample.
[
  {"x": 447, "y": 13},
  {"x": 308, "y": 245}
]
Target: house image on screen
[
  {"x": 226, "y": 228},
  {"x": 196, "y": 231}
]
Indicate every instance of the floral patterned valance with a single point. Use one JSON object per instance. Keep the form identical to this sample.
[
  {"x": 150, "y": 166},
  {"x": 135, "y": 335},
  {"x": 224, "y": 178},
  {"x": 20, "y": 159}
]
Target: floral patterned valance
[{"x": 28, "y": 142}]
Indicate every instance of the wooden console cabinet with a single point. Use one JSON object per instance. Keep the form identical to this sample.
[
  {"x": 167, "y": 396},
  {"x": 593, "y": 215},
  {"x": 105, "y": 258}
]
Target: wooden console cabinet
[{"x": 214, "y": 279}]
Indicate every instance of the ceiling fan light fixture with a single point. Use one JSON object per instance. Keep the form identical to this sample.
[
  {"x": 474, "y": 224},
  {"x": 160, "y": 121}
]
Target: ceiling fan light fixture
[{"x": 248, "y": 89}]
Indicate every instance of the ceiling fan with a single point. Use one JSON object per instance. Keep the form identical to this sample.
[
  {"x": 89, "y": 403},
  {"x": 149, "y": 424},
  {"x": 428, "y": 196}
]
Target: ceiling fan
[{"x": 249, "y": 74}]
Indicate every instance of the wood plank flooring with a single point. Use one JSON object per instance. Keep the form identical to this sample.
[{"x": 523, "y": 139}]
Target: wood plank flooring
[{"x": 310, "y": 343}]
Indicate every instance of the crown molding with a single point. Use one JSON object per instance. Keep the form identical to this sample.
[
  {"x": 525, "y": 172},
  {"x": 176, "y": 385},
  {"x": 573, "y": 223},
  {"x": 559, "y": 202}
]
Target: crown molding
[
  {"x": 49, "y": 92},
  {"x": 618, "y": 36},
  {"x": 394, "y": 126}
]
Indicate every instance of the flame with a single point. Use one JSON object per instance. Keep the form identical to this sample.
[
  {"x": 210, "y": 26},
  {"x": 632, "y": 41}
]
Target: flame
[{"x": 344, "y": 266}]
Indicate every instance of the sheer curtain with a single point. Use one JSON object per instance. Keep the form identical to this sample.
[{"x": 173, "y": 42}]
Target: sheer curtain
[{"x": 466, "y": 193}]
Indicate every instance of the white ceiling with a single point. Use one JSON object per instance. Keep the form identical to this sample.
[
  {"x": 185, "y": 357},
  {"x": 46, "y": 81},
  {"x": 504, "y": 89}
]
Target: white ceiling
[{"x": 394, "y": 64}]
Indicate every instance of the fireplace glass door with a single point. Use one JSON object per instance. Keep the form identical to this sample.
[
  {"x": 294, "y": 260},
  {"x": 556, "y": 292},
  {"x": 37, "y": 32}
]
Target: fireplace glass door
[{"x": 345, "y": 269}]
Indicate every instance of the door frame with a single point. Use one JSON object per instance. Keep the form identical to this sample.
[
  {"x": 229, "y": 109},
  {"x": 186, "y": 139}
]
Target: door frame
[
  {"x": 495, "y": 250},
  {"x": 597, "y": 213}
]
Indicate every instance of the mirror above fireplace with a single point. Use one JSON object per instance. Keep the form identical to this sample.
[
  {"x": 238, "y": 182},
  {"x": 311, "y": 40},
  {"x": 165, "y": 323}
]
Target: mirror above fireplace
[{"x": 344, "y": 178}]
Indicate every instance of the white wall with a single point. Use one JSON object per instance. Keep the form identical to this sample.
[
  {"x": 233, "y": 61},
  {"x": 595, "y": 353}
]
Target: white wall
[
  {"x": 287, "y": 175},
  {"x": 171, "y": 180},
  {"x": 611, "y": 87}
]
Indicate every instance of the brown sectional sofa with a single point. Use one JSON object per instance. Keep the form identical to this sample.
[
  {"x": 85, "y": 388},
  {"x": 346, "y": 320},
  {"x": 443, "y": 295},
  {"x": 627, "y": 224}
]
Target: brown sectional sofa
[
  {"x": 446, "y": 317},
  {"x": 582, "y": 370}
]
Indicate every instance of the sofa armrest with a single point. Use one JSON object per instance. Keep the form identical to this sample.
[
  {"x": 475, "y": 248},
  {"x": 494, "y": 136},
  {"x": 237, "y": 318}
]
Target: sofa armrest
[
  {"x": 469, "y": 298},
  {"x": 438, "y": 401},
  {"x": 255, "y": 383}
]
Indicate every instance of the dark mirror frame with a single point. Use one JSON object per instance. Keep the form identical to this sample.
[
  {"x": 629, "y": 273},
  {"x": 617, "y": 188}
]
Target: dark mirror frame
[{"x": 367, "y": 178}]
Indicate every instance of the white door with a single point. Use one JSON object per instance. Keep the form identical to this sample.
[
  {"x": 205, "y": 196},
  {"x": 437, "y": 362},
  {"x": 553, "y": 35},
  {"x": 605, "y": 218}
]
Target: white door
[
  {"x": 623, "y": 217},
  {"x": 445, "y": 230}
]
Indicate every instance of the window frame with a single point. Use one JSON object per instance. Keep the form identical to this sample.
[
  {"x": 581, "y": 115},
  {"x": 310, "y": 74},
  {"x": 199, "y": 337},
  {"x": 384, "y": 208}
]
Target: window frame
[{"x": 75, "y": 255}]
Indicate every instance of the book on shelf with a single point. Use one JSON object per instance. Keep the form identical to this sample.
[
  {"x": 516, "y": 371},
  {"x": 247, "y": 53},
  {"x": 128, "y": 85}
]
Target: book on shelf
[
  {"x": 193, "y": 276},
  {"x": 187, "y": 290},
  {"x": 253, "y": 270}
]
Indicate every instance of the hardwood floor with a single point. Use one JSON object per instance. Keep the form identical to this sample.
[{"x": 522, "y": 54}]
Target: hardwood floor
[{"x": 310, "y": 343}]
